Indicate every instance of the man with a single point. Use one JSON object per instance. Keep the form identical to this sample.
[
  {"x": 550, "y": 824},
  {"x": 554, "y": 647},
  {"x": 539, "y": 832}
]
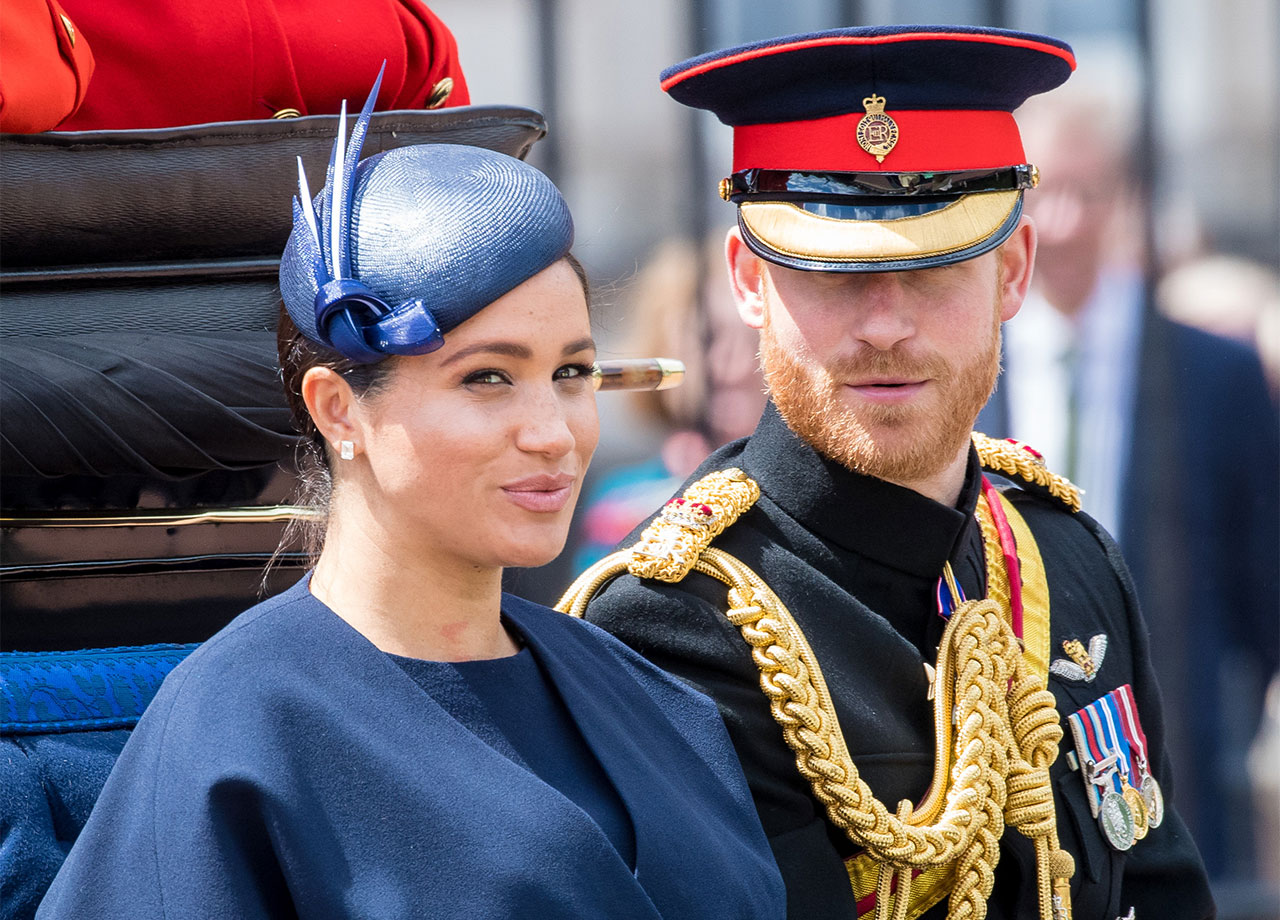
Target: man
[{"x": 880, "y": 243}]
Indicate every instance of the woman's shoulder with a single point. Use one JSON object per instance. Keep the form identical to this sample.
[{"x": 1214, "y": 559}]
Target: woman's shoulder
[
  {"x": 260, "y": 649},
  {"x": 271, "y": 616}
]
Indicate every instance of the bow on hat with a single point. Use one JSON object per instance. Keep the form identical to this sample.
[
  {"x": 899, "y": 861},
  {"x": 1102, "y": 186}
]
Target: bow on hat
[
  {"x": 349, "y": 317},
  {"x": 451, "y": 226}
]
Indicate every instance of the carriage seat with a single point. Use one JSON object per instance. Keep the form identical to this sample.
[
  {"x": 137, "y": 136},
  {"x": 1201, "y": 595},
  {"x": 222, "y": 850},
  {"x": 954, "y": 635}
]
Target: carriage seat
[{"x": 64, "y": 718}]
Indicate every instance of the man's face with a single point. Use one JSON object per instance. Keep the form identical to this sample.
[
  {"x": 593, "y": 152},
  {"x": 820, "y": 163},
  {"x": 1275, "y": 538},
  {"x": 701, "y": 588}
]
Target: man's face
[{"x": 884, "y": 372}]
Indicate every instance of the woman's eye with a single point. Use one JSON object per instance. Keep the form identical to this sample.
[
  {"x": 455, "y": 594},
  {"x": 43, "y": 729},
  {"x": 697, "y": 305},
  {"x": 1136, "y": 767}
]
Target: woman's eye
[
  {"x": 570, "y": 371},
  {"x": 486, "y": 378}
]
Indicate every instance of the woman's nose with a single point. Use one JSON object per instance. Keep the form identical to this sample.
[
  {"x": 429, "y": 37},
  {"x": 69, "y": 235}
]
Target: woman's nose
[{"x": 544, "y": 427}]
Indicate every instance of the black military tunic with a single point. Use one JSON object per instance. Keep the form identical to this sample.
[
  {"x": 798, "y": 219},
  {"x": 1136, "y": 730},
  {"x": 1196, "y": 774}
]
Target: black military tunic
[{"x": 857, "y": 560}]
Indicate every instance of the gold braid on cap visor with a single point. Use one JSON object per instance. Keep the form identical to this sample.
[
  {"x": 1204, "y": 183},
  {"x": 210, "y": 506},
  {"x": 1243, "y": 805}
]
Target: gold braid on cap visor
[
  {"x": 996, "y": 725},
  {"x": 792, "y": 231}
]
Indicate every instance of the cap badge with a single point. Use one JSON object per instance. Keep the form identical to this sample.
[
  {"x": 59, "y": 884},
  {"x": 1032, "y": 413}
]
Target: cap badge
[{"x": 877, "y": 132}]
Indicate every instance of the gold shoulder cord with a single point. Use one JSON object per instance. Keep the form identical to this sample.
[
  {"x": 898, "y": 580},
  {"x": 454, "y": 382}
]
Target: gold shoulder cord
[{"x": 996, "y": 725}]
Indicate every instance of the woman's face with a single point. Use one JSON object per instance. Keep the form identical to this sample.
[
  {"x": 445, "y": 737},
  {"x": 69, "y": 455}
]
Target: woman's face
[{"x": 476, "y": 452}]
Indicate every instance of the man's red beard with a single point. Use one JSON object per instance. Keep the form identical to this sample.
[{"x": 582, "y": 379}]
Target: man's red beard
[{"x": 899, "y": 443}]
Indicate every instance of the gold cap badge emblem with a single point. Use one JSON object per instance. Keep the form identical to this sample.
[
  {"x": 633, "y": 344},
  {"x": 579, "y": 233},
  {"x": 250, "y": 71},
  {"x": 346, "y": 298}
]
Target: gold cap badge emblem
[{"x": 877, "y": 132}]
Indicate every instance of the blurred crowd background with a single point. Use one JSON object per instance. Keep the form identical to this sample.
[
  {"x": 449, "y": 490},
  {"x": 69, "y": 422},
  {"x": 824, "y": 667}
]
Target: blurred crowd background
[{"x": 1146, "y": 364}]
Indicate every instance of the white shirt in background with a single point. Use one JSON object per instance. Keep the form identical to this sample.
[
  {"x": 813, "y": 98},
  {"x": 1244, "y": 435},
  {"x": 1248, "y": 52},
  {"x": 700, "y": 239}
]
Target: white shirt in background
[{"x": 1041, "y": 371}]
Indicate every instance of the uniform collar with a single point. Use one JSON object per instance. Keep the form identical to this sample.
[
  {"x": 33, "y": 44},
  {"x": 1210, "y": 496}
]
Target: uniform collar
[{"x": 890, "y": 524}]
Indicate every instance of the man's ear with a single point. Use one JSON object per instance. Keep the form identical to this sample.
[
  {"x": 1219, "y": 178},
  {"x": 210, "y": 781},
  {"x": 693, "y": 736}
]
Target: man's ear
[
  {"x": 1018, "y": 257},
  {"x": 747, "y": 278},
  {"x": 331, "y": 403}
]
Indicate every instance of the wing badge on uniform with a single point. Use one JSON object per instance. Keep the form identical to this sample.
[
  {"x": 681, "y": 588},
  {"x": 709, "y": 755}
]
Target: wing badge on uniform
[{"x": 1084, "y": 663}]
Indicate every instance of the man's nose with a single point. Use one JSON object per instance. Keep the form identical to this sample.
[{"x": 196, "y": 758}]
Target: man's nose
[{"x": 883, "y": 312}]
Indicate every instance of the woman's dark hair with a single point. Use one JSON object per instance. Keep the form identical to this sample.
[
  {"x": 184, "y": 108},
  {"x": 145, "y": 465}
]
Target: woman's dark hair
[{"x": 298, "y": 354}]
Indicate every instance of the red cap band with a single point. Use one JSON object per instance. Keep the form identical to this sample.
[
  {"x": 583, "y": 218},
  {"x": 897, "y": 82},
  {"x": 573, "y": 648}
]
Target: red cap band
[{"x": 938, "y": 140}]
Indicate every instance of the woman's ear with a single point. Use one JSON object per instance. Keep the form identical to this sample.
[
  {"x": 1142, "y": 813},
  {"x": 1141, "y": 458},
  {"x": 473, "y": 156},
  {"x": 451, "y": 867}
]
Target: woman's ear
[
  {"x": 332, "y": 404},
  {"x": 746, "y": 279}
]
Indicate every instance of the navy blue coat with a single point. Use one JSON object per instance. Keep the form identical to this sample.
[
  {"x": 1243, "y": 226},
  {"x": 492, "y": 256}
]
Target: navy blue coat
[{"x": 290, "y": 768}]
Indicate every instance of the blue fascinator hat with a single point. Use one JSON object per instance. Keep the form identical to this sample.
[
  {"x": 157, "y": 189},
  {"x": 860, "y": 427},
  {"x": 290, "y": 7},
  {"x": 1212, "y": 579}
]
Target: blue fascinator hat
[{"x": 400, "y": 248}]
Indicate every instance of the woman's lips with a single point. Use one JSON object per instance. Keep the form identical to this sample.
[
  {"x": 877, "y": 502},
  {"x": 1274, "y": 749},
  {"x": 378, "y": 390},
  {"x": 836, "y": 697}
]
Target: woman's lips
[{"x": 542, "y": 493}]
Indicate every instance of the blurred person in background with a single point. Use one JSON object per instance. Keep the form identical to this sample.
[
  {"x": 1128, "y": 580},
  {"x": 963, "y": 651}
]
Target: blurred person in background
[
  {"x": 680, "y": 308},
  {"x": 1171, "y": 434}
]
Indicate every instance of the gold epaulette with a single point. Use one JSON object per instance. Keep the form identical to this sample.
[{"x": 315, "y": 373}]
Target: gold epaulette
[
  {"x": 672, "y": 544},
  {"x": 1020, "y": 461}
]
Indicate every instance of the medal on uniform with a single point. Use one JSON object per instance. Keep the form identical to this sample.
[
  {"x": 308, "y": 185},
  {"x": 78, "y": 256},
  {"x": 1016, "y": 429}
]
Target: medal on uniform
[
  {"x": 1100, "y": 761},
  {"x": 1131, "y": 725},
  {"x": 1116, "y": 821},
  {"x": 1115, "y": 729},
  {"x": 1092, "y": 769},
  {"x": 1114, "y": 815}
]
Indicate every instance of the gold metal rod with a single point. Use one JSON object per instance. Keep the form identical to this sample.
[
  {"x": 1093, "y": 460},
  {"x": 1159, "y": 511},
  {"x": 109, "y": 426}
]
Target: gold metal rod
[
  {"x": 264, "y": 514},
  {"x": 638, "y": 374}
]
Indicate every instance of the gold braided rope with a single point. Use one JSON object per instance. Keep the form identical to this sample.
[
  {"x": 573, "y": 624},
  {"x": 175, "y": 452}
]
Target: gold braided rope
[
  {"x": 1037, "y": 728},
  {"x": 994, "y": 745}
]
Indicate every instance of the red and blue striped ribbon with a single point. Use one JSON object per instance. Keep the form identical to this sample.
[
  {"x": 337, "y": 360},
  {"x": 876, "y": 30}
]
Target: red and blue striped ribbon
[
  {"x": 1095, "y": 738},
  {"x": 1115, "y": 731},
  {"x": 1132, "y": 727},
  {"x": 1080, "y": 731},
  {"x": 946, "y": 603}
]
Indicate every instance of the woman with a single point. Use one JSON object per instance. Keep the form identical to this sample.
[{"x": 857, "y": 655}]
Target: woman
[{"x": 393, "y": 737}]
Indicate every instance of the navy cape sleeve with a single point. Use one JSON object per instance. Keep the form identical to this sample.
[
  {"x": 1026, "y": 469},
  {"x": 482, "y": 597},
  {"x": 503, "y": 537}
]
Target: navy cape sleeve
[{"x": 288, "y": 768}]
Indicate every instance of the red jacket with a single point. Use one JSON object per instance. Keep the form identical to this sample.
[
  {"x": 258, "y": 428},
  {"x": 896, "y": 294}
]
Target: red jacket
[
  {"x": 164, "y": 63},
  {"x": 45, "y": 65}
]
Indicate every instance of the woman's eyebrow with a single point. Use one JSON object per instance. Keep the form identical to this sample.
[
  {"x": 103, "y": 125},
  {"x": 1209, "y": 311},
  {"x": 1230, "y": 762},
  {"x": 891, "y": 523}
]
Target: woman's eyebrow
[
  {"x": 510, "y": 349},
  {"x": 513, "y": 350}
]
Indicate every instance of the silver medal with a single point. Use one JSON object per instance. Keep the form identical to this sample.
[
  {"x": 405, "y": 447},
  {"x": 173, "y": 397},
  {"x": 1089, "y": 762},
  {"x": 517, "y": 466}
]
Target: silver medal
[
  {"x": 1154, "y": 798},
  {"x": 1116, "y": 820}
]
